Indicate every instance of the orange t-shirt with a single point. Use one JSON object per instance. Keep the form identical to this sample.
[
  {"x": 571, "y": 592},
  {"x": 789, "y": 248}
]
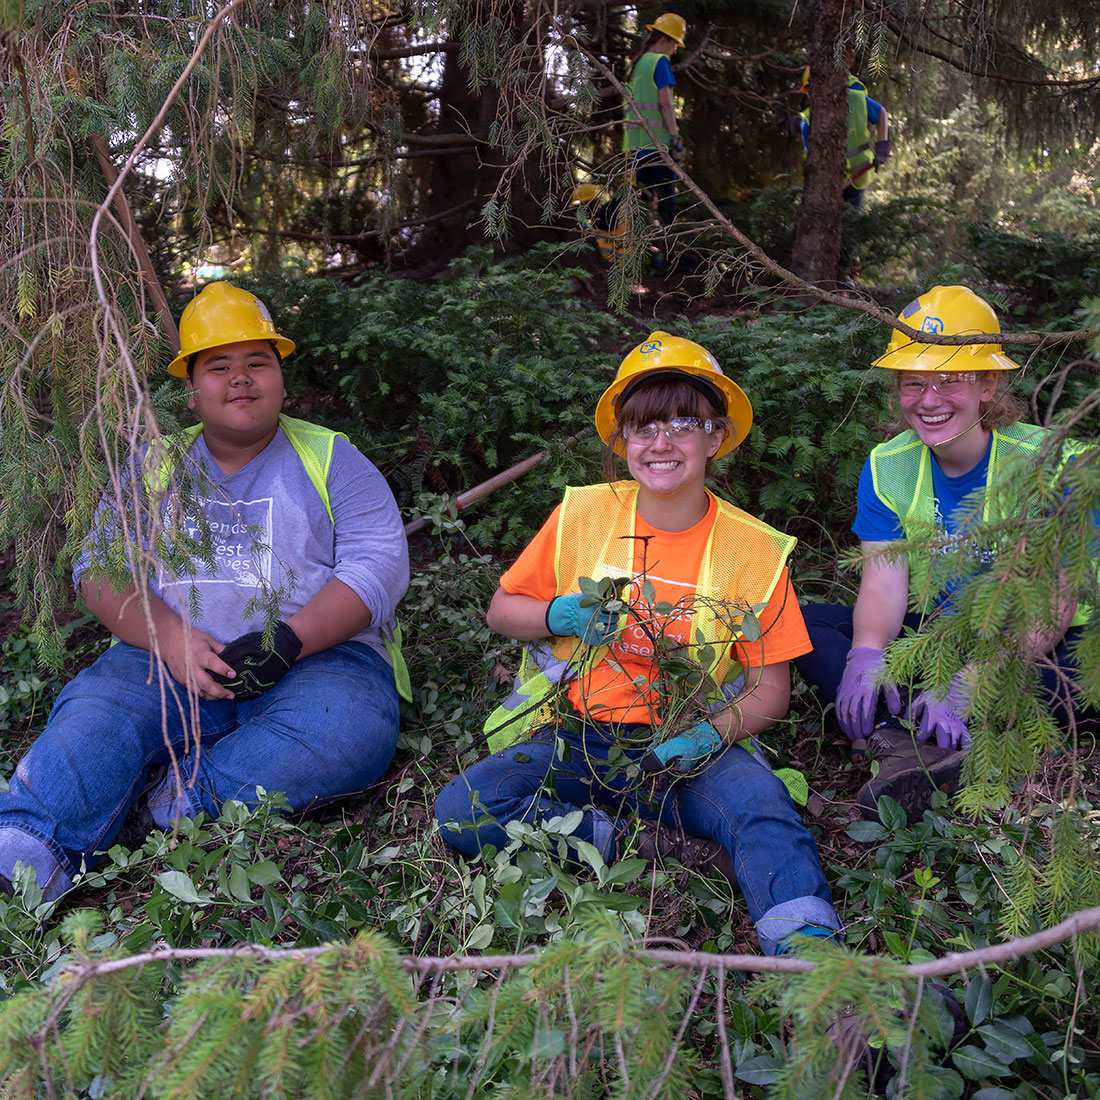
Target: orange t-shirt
[{"x": 671, "y": 561}]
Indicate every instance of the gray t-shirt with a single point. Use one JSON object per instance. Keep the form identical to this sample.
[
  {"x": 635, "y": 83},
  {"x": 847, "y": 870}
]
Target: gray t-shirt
[{"x": 271, "y": 536}]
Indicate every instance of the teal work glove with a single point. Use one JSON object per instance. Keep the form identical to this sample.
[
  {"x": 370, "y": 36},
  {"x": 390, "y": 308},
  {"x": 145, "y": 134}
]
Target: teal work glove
[
  {"x": 594, "y": 624},
  {"x": 689, "y": 748},
  {"x": 258, "y": 669}
]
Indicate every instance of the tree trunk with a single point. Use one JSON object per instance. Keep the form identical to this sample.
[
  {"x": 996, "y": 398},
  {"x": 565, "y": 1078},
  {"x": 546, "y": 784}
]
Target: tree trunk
[{"x": 816, "y": 253}]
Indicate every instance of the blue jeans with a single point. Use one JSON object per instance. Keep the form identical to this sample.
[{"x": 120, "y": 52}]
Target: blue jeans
[
  {"x": 657, "y": 182},
  {"x": 735, "y": 800},
  {"x": 830, "y": 630},
  {"x": 327, "y": 729}
]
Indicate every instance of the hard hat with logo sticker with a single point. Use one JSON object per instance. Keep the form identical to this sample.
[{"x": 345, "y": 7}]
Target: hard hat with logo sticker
[
  {"x": 224, "y": 314},
  {"x": 947, "y": 311},
  {"x": 662, "y": 355},
  {"x": 671, "y": 26}
]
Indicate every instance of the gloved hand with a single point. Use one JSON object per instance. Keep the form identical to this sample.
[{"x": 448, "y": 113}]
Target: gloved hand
[
  {"x": 594, "y": 624},
  {"x": 691, "y": 747},
  {"x": 883, "y": 149},
  {"x": 857, "y": 696},
  {"x": 258, "y": 669},
  {"x": 676, "y": 148},
  {"x": 942, "y": 717}
]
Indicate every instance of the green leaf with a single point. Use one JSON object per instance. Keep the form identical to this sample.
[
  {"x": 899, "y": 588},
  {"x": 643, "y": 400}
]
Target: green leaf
[
  {"x": 979, "y": 999},
  {"x": 992, "y": 1092},
  {"x": 480, "y": 938},
  {"x": 1004, "y": 1043},
  {"x": 976, "y": 1063},
  {"x": 264, "y": 874},
  {"x": 891, "y": 815},
  {"x": 625, "y": 871},
  {"x": 180, "y": 886},
  {"x": 866, "y": 832},
  {"x": 761, "y": 1070},
  {"x": 237, "y": 885}
]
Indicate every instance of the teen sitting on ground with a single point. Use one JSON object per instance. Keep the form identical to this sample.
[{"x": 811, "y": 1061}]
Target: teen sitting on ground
[
  {"x": 276, "y": 509},
  {"x": 622, "y": 748},
  {"x": 964, "y": 438}
]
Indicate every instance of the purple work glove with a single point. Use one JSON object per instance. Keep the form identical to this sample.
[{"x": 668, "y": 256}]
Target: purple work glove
[
  {"x": 883, "y": 149},
  {"x": 676, "y": 149},
  {"x": 942, "y": 717},
  {"x": 857, "y": 696}
]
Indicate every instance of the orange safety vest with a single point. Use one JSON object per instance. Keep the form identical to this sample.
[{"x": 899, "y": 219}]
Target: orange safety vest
[{"x": 743, "y": 561}]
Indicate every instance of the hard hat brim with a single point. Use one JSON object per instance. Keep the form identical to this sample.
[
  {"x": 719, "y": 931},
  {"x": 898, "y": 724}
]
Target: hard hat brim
[
  {"x": 178, "y": 366},
  {"x": 675, "y": 38},
  {"x": 944, "y": 357},
  {"x": 738, "y": 406}
]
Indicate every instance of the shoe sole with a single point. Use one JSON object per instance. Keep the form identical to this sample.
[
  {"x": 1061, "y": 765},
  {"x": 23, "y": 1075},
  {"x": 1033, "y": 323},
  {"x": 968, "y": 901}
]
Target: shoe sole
[{"x": 912, "y": 789}]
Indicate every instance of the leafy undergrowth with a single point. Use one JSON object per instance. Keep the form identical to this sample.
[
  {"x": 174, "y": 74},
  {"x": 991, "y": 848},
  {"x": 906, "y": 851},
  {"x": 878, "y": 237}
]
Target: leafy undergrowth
[{"x": 374, "y": 865}]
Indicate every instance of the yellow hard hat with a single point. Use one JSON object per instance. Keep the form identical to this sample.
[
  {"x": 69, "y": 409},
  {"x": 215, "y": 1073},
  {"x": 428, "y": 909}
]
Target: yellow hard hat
[
  {"x": 946, "y": 311},
  {"x": 665, "y": 354},
  {"x": 586, "y": 192},
  {"x": 224, "y": 314},
  {"x": 805, "y": 80},
  {"x": 671, "y": 25}
]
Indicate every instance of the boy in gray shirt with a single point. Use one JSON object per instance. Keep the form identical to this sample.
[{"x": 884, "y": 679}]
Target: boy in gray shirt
[{"x": 277, "y": 513}]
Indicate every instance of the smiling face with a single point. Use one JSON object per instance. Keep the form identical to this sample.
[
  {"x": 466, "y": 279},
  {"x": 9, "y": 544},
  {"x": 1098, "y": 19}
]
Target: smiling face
[
  {"x": 237, "y": 392},
  {"x": 669, "y": 464},
  {"x": 944, "y": 408}
]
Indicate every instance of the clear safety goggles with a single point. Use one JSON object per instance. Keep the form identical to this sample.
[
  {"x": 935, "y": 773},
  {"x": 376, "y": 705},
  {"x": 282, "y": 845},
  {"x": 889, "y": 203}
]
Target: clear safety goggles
[
  {"x": 679, "y": 427},
  {"x": 912, "y": 389}
]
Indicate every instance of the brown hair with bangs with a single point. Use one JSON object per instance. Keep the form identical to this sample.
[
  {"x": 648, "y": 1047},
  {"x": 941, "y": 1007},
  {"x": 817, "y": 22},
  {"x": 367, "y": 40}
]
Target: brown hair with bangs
[{"x": 662, "y": 399}]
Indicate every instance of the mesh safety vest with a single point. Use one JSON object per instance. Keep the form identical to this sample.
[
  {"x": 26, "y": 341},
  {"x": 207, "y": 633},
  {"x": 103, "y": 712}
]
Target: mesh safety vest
[
  {"x": 742, "y": 563},
  {"x": 644, "y": 90},
  {"x": 313, "y": 444},
  {"x": 860, "y": 158},
  {"x": 901, "y": 473}
]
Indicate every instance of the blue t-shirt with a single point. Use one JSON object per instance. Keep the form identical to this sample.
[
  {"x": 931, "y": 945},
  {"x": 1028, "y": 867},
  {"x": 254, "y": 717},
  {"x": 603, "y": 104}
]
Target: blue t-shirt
[
  {"x": 875, "y": 522},
  {"x": 662, "y": 74}
]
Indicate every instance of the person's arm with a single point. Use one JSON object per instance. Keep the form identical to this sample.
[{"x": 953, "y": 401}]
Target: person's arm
[
  {"x": 757, "y": 708},
  {"x": 332, "y": 616},
  {"x": 883, "y": 126},
  {"x": 142, "y": 620},
  {"x": 883, "y": 597},
  {"x": 517, "y": 616},
  {"x": 668, "y": 109}
]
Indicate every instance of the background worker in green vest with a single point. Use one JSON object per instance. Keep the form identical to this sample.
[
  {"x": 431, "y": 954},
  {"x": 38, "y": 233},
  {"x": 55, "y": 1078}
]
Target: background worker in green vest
[
  {"x": 651, "y": 85},
  {"x": 963, "y": 438},
  {"x": 865, "y": 152},
  {"x": 269, "y": 599}
]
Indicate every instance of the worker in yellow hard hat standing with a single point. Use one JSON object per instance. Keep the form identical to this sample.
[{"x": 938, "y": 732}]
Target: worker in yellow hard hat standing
[
  {"x": 651, "y": 84},
  {"x": 963, "y": 439},
  {"x": 646, "y": 675},
  {"x": 868, "y": 137},
  {"x": 269, "y": 604}
]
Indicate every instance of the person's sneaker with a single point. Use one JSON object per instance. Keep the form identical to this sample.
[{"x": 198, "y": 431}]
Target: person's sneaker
[
  {"x": 699, "y": 854},
  {"x": 910, "y": 771}
]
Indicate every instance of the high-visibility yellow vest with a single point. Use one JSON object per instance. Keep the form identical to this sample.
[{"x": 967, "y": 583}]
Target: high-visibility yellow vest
[
  {"x": 742, "y": 563},
  {"x": 313, "y": 444},
  {"x": 646, "y": 105},
  {"x": 860, "y": 157},
  {"x": 901, "y": 474}
]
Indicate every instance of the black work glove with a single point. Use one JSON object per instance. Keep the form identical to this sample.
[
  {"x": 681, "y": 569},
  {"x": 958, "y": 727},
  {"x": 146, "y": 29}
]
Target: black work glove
[
  {"x": 259, "y": 669},
  {"x": 883, "y": 149},
  {"x": 676, "y": 149}
]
